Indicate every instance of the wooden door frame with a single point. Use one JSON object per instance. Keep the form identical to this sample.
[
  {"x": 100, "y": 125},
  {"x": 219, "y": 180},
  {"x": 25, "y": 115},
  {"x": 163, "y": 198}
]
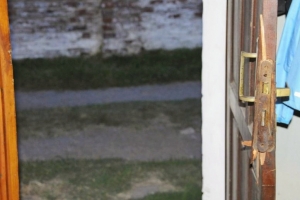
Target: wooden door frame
[
  {"x": 9, "y": 178},
  {"x": 259, "y": 180}
]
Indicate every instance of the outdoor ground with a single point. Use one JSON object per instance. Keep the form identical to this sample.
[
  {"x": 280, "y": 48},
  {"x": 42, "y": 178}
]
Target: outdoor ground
[{"x": 131, "y": 143}]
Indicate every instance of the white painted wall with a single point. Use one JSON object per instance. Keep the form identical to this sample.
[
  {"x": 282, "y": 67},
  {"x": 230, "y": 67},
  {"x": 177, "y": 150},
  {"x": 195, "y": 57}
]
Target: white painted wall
[
  {"x": 213, "y": 101},
  {"x": 160, "y": 31},
  {"x": 288, "y": 161},
  {"x": 288, "y": 154},
  {"x": 169, "y": 25},
  {"x": 43, "y": 28}
]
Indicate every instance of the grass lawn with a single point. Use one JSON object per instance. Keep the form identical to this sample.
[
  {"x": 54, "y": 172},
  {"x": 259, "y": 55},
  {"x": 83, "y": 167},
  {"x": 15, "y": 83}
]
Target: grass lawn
[
  {"x": 106, "y": 179},
  {"x": 45, "y": 122},
  {"x": 92, "y": 72}
]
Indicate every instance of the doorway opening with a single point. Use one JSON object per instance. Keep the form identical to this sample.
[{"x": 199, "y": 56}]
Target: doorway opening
[{"x": 117, "y": 127}]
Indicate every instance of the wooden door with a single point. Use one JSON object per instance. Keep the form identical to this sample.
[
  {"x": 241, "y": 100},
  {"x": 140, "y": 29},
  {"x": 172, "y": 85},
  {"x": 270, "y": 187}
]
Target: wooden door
[
  {"x": 250, "y": 165},
  {"x": 9, "y": 181}
]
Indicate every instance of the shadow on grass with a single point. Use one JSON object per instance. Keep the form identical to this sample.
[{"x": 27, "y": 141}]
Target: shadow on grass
[{"x": 96, "y": 72}]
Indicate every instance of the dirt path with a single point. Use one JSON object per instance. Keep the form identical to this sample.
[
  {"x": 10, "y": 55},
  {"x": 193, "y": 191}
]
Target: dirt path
[
  {"x": 159, "y": 141},
  {"x": 51, "y": 99},
  {"x": 153, "y": 143}
]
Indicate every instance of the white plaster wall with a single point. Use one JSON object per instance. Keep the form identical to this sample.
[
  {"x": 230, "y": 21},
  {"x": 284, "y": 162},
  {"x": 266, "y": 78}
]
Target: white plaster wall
[
  {"x": 213, "y": 101},
  {"x": 42, "y": 28},
  {"x": 162, "y": 31},
  {"x": 53, "y": 44},
  {"x": 169, "y": 25},
  {"x": 288, "y": 161},
  {"x": 288, "y": 154}
]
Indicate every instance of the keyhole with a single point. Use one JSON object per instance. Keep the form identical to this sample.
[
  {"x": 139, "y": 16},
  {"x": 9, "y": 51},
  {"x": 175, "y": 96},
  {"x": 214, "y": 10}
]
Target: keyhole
[{"x": 262, "y": 145}]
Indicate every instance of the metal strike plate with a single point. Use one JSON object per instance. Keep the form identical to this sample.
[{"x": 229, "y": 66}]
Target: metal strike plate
[
  {"x": 242, "y": 72},
  {"x": 283, "y": 92},
  {"x": 280, "y": 92}
]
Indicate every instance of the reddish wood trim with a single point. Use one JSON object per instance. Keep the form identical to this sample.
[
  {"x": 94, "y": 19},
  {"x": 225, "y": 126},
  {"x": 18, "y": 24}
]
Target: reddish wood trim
[
  {"x": 269, "y": 173},
  {"x": 269, "y": 177},
  {"x": 264, "y": 186}
]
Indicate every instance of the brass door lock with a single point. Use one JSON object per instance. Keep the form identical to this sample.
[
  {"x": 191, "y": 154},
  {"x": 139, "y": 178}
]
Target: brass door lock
[{"x": 280, "y": 92}]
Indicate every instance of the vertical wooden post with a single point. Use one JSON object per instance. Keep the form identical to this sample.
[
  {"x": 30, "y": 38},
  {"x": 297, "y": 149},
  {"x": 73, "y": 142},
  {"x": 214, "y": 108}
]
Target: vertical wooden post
[{"x": 9, "y": 178}]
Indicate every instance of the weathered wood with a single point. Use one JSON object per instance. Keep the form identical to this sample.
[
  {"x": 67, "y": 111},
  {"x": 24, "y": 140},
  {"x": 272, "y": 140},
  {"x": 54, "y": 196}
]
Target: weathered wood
[
  {"x": 253, "y": 180},
  {"x": 267, "y": 134}
]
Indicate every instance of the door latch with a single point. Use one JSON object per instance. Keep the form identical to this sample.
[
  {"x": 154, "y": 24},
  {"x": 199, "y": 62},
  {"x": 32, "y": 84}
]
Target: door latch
[
  {"x": 264, "y": 124},
  {"x": 280, "y": 92}
]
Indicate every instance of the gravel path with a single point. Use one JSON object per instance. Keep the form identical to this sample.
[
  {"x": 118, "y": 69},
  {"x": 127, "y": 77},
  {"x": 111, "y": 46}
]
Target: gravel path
[
  {"x": 155, "y": 143},
  {"x": 160, "y": 142},
  {"x": 51, "y": 99}
]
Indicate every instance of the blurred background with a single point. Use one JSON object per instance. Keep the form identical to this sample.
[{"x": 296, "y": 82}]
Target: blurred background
[
  {"x": 108, "y": 96},
  {"x": 43, "y": 29}
]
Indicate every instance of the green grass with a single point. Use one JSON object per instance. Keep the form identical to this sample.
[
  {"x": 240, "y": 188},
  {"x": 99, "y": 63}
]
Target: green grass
[
  {"x": 46, "y": 122},
  {"x": 191, "y": 192},
  {"x": 102, "y": 179},
  {"x": 96, "y": 72}
]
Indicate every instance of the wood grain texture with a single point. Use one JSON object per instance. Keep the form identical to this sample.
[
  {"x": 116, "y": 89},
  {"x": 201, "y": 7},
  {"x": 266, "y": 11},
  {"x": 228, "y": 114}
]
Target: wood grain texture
[
  {"x": 8, "y": 139},
  {"x": 268, "y": 169},
  {"x": 253, "y": 180}
]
